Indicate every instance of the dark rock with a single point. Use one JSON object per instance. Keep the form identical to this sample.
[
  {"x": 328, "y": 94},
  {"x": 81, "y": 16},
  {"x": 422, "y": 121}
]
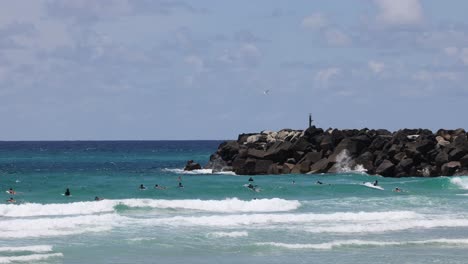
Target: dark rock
[
  {"x": 405, "y": 166},
  {"x": 228, "y": 149},
  {"x": 449, "y": 168},
  {"x": 386, "y": 168},
  {"x": 379, "y": 142},
  {"x": 464, "y": 161},
  {"x": 287, "y": 168},
  {"x": 304, "y": 164},
  {"x": 275, "y": 169},
  {"x": 337, "y": 136},
  {"x": 366, "y": 159},
  {"x": 456, "y": 154},
  {"x": 441, "y": 158},
  {"x": 321, "y": 166},
  {"x": 191, "y": 165},
  {"x": 326, "y": 143},
  {"x": 302, "y": 145}
]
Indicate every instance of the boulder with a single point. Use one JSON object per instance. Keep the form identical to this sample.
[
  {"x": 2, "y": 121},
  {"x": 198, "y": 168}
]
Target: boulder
[
  {"x": 386, "y": 168},
  {"x": 227, "y": 150},
  {"x": 275, "y": 169},
  {"x": 321, "y": 166},
  {"x": 405, "y": 166},
  {"x": 464, "y": 161},
  {"x": 366, "y": 159},
  {"x": 304, "y": 164},
  {"x": 326, "y": 143},
  {"x": 287, "y": 168},
  {"x": 449, "y": 168},
  {"x": 456, "y": 154},
  {"x": 441, "y": 141},
  {"x": 191, "y": 165}
]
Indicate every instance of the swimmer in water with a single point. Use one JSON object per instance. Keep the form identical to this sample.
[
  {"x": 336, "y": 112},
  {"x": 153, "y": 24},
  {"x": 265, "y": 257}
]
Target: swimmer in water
[
  {"x": 98, "y": 198},
  {"x": 251, "y": 179},
  {"x": 319, "y": 182},
  {"x": 397, "y": 189},
  {"x": 11, "y": 200},
  {"x": 180, "y": 185},
  {"x": 142, "y": 187},
  {"x": 67, "y": 192},
  {"x": 376, "y": 183},
  {"x": 159, "y": 187},
  {"x": 11, "y": 191}
]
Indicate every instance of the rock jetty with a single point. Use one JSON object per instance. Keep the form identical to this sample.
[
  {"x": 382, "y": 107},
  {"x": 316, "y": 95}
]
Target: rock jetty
[{"x": 406, "y": 152}]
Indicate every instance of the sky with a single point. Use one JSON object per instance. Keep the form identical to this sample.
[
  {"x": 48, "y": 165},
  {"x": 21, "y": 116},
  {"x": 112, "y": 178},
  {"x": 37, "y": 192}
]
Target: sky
[{"x": 210, "y": 69}]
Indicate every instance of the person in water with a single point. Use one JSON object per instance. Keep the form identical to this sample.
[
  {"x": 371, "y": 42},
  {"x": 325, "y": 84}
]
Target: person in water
[
  {"x": 376, "y": 183},
  {"x": 293, "y": 182},
  {"x": 11, "y": 200},
  {"x": 180, "y": 185},
  {"x": 397, "y": 189},
  {"x": 142, "y": 187},
  {"x": 159, "y": 187},
  {"x": 67, "y": 192},
  {"x": 11, "y": 191},
  {"x": 319, "y": 182},
  {"x": 251, "y": 179},
  {"x": 98, "y": 198}
]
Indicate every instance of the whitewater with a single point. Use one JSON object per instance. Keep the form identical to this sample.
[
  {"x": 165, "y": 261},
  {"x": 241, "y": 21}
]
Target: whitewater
[{"x": 215, "y": 218}]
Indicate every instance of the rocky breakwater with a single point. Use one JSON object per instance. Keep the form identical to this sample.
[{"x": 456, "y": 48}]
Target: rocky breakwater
[{"x": 407, "y": 152}]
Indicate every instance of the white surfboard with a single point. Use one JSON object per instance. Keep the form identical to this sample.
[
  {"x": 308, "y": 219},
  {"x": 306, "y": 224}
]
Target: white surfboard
[{"x": 371, "y": 185}]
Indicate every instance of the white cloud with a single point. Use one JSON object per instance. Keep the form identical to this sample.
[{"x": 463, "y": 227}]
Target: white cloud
[
  {"x": 464, "y": 55},
  {"x": 323, "y": 77},
  {"x": 451, "y": 51},
  {"x": 400, "y": 12},
  {"x": 315, "y": 21},
  {"x": 428, "y": 76},
  {"x": 196, "y": 62},
  {"x": 376, "y": 67},
  {"x": 336, "y": 37}
]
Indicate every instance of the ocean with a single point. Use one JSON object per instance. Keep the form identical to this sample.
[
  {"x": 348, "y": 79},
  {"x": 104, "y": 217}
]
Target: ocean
[{"x": 215, "y": 218}]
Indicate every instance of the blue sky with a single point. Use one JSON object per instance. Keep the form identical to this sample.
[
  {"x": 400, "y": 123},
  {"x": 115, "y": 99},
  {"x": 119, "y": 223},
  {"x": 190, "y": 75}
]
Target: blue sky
[{"x": 121, "y": 69}]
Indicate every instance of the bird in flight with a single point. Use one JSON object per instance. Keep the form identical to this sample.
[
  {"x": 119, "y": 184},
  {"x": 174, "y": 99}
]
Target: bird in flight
[{"x": 266, "y": 92}]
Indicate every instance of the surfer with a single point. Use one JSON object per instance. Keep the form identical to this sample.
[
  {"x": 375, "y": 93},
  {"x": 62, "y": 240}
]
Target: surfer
[
  {"x": 180, "y": 185},
  {"x": 376, "y": 183},
  {"x": 97, "y": 198},
  {"x": 156, "y": 186},
  {"x": 397, "y": 189},
  {"x": 67, "y": 192},
  {"x": 319, "y": 182},
  {"x": 142, "y": 187},
  {"x": 11, "y": 191},
  {"x": 11, "y": 200},
  {"x": 251, "y": 179},
  {"x": 293, "y": 182}
]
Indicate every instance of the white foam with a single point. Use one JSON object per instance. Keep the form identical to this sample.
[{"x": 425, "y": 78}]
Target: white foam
[
  {"x": 21, "y": 228},
  {"x": 36, "y": 249},
  {"x": 108, "y": 206},
  {"x": 270, "y": 219},
  {"x": 461, "y": 182},
  {"x": 200, "y": 171},
  {"x": 386, "y": 226},
  {"x": 29, "y": 258},
  {"x": 228, "y": 234},
  {"x": 230, "y": 205},
  {"x": 350, "y": 243},
  {"x": 77, "y": 208}
]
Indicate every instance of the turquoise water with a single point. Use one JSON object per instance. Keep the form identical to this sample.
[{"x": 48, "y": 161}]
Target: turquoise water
[{"x": 214, "y": 218}]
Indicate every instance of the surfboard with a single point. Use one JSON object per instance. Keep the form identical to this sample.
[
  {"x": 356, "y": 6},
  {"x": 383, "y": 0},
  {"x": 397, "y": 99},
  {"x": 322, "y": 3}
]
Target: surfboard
[
  {"x": 371, "y": 185},
  {"x": 10, "y": 193}
]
